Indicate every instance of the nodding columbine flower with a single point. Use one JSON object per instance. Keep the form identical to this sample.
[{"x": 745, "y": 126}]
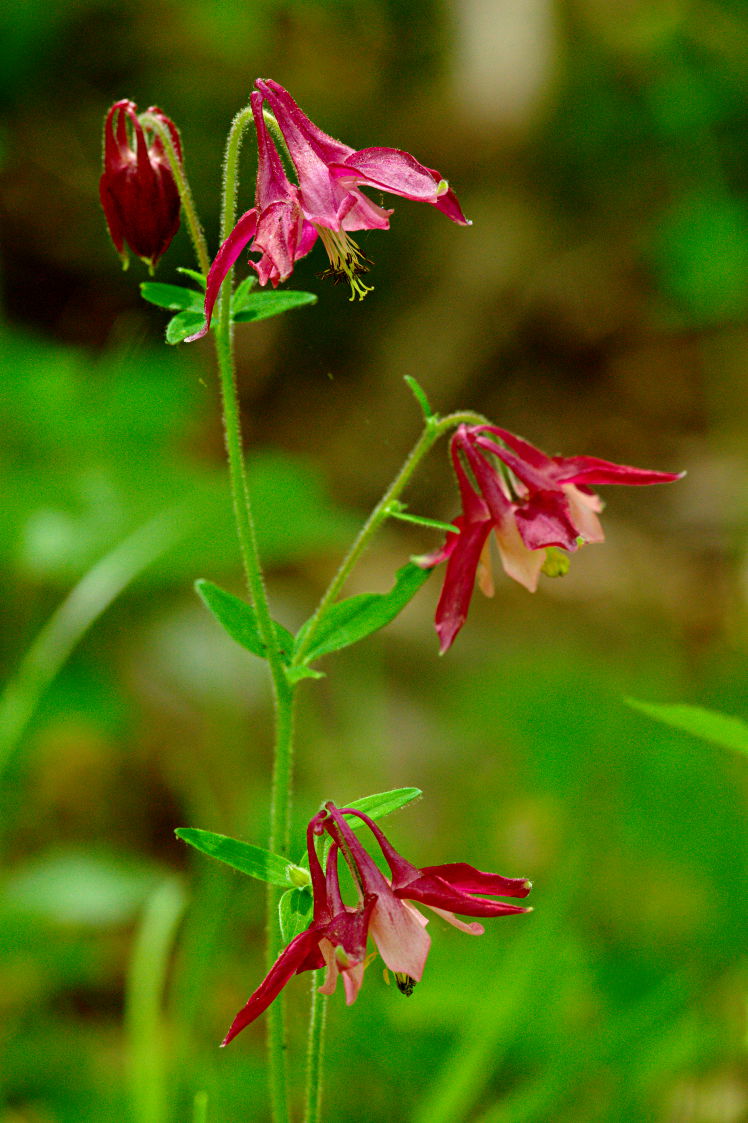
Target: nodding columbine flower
[
  {"x": 337, "y": 936},
  {"x": 137, "y": 188},
  {"x": 535, "y": 504},
  {"x": 330, "y": 175},
  {"x": 287, "y": 219}
]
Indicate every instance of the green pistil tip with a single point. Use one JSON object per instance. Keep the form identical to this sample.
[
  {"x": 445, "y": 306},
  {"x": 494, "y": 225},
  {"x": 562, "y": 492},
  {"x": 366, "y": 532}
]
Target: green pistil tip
[{"x": 556, "y": 562}]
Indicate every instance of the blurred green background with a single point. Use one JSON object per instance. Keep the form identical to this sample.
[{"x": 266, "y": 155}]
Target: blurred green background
[{"x": 597, "y": 305}]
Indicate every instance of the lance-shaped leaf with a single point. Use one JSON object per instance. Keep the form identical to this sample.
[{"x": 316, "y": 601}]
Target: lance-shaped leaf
[
  {"x": 239, "y": 619},
  {"x": 294, "y": 913},
  {"x": 262, "y": 305},
  {"x": 383, "y": 803},
  {"x": 710, "y": 725},
  {"x": 173, "y": 297},
  {"x": 353, "y": 619},
  {"x": 252, "y": 860}
]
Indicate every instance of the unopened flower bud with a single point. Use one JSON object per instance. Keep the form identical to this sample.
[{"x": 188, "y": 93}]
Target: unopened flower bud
[{"x": 138, "y": 190}]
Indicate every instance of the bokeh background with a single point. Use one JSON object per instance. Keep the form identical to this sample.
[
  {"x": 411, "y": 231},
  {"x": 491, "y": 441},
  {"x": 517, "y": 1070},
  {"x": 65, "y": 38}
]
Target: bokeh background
[{"x": 597, "y": 305}]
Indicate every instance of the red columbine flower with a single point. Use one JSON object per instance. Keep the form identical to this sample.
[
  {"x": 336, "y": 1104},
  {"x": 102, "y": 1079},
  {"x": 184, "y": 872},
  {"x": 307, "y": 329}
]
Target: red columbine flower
[
  {"x": 287, "y": 219},
  {"x": 540, "y": 502},
  {"x": 137, "y": 189},
  {"x": 330, "y": 175},
  {"x": 337, "y": 936}
]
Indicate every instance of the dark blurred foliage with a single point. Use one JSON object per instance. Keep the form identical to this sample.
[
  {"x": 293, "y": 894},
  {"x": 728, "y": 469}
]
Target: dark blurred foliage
[{"x": 597, "y": 305}]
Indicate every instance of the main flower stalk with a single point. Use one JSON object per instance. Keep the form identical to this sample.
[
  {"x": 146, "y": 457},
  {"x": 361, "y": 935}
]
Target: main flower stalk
[{"x": 283, "y": 691}]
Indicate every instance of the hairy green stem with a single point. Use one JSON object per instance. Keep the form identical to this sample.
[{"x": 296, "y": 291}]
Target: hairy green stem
[
  {"x": 185, "y": 192},
  {"x": 283, "y": 691},
  {"x": 231, "y": 170},
  {"x": 435, "y": 428},
  {"x": 315, "y": 1051}
]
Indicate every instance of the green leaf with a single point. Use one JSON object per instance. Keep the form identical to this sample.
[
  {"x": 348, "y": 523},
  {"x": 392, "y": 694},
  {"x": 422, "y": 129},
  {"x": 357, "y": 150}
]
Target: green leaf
[
  {"x": 261, "y": 305},
  {"x": 173, "y": 297},
  {"x": 719, "y": 729},
  {"x": 419, "y": 394},
  {"x": 241, "y": 293},
  {"x": 357, "y": 617},
  {"x": 252, "y": 860},
  {"x": 239, "y": 620},
  {"x": 294, "y": 913},
  {"x": 183, "y": 324},
  {"x": 384, "y": 803}
]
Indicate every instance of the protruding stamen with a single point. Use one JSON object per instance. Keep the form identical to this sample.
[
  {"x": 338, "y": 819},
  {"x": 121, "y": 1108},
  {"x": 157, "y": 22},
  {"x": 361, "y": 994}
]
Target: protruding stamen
[{"x": 347, "y": 262}]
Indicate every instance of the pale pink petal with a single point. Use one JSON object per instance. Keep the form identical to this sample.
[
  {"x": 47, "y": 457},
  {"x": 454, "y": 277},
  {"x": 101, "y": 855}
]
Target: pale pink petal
[
  {"x": 520, "y": 563},
  {"x": 333, "y": 970},
  {"x": 363, "y": 214},
  {"x": 353, "y": 977},
  {"x": 485, "y": 571},
  {"x": 402, "y": 941},
  {"x": 422, "y": 920},
  {"x": 472, "y": 929},
  {"x": 584, "y": 508}
]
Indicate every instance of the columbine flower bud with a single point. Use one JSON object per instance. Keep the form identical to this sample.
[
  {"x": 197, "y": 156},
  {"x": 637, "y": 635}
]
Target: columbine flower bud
[{"x": 138, "y": 191}]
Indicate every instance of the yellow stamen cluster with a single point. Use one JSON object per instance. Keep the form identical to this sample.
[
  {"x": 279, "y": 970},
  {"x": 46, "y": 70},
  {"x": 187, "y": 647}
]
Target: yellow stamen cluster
[{"x": 347, "y": 262}]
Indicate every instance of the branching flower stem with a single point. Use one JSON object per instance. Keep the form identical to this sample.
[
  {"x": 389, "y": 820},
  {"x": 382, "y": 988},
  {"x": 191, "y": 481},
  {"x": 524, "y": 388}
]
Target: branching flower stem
[{"x": 434, "y": 428}]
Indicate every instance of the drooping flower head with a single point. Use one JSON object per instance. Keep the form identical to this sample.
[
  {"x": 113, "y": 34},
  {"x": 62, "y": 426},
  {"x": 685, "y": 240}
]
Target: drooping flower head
[
  {"x": 286, "y": 219},
  {"x": 337, "y": 936},
  {"x": 330, "y": 175},
  {"x": 535, "y": 504},
  {"x": 137, "y": 188}
]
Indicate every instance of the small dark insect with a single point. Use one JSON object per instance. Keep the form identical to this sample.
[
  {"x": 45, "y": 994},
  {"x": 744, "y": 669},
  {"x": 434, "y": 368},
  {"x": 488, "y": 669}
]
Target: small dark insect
[{"x": 405, "y": 983}]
